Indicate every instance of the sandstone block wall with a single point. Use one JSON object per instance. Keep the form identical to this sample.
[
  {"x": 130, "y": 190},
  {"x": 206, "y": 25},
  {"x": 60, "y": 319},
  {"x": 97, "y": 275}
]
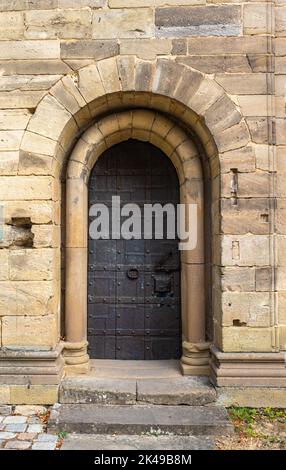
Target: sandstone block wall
[{"x": 240, "y": 46}]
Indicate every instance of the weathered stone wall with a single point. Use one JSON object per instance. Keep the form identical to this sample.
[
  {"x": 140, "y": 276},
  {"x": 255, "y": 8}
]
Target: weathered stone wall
[{"x": 239, "y": 45}]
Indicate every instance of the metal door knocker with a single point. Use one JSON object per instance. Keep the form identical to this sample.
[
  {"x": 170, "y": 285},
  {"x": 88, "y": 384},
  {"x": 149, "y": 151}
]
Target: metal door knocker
[{"x": 133, "y": 273}]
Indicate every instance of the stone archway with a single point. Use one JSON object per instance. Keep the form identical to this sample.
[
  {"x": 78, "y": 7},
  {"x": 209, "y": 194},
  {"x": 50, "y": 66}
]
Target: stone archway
[
  {"x": 122, "y": 82},
  {"x": 193, "y": 100},
  {"x": 165, "y": 134}
]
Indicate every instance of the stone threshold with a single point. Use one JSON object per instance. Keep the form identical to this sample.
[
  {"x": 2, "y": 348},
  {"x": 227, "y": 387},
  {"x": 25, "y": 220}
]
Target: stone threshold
[{"x": 134, "y": 382}]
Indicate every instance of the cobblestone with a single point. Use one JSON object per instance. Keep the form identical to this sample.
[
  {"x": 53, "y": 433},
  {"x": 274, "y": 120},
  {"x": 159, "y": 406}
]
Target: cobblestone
[
  {"x": 5, "y": 410},
  {"x": 16, "y": 427},
  {"x": 25, "y": 430},
  {"x": 35, "y": 428},
  {"x": 7, "y": 435},
  {"x": 19, "y": 445},
  {"x": 15, "y": 419},
  {"x": 26, "y": 436},
  {"x": 33, "y": 420},
  {"x": 44, "y": 446},
  {"x": 47, "y": 438},
  {"x": 30, "y": 410}
]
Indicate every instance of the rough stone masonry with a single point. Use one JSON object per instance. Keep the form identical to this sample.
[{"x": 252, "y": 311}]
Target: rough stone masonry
[{"x": 64, "y": 64}]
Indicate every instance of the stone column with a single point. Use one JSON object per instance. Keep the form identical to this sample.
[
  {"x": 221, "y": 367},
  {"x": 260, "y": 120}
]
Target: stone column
[
  {"x": 75, "y": 349},
  {"x": 195, "y": 357}
]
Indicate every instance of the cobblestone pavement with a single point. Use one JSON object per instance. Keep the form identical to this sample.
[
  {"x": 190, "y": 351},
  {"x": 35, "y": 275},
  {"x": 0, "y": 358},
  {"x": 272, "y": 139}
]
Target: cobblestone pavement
[{"x": 24, "y": 428}]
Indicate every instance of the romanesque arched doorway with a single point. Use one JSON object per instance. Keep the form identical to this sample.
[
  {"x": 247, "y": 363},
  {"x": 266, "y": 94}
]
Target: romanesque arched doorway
[
  {"x": 179, "y": 147},
  {"x": 196, "y": 124},
  {"x": 134, "y": 307}
]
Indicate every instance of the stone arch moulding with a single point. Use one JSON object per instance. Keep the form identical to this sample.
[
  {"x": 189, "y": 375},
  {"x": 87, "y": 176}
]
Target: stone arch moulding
[
  {"x": 177, "y": 145},
  {"x": 188, "y": 96},
  {"x": 122, "y": 82}
]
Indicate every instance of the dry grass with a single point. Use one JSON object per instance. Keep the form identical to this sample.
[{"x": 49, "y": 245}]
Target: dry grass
[{"x": 256, "y": 429}]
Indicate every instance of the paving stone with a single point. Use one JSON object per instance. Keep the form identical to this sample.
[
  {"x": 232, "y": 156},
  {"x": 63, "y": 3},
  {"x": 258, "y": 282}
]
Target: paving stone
[
  {"x": 57, "y": 406},
  {"x": 19, "y": 445},
  {"x": 44, "y": 446},
  {"x": 21, "y": 427},
  {"x": 7, "y": 435},
  {"x": 30, "y": 410},
  {"x": 47, "y": 438},
  {"x": 15, "y": 420},
  {"x": 142, "y": 442},
  {"x": 26, "y": 436},
  {"x": 33, "y": 420},
  {"x": 5, "y": 410},
  {"x": 35, "y": 428}
]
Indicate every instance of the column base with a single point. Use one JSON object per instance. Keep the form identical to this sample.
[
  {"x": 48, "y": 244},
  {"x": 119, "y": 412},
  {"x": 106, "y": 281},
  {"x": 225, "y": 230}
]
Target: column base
[
  {"x": 194, "y": 370},
  {"x": 76, "y": 358},
  {"x": 253, "y": 397},
  {"x": 30, "y": 376},
  {"x": 195, "y": 359},
  {"x": 235, "y": 369}
]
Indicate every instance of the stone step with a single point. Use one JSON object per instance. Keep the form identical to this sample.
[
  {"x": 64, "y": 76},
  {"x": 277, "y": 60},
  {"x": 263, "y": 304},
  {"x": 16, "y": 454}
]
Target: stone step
[
  {"x": 192, "y": 391},
  {"x": 136, "y": 442},
  {"x": 195, "y": 391},
  {"x": 137, "y": 419}
]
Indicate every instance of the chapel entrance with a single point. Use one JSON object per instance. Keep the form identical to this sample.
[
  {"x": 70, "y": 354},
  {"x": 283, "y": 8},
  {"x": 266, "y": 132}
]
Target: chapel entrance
[{"x": 134, "y": 307}]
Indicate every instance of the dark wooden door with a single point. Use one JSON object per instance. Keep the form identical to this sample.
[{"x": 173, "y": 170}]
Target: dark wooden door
[{"x": 134, "y": 285}]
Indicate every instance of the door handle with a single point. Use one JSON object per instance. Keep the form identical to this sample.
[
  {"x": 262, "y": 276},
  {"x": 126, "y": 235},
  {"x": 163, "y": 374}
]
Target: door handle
[{"x": 133, "y": 273}]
